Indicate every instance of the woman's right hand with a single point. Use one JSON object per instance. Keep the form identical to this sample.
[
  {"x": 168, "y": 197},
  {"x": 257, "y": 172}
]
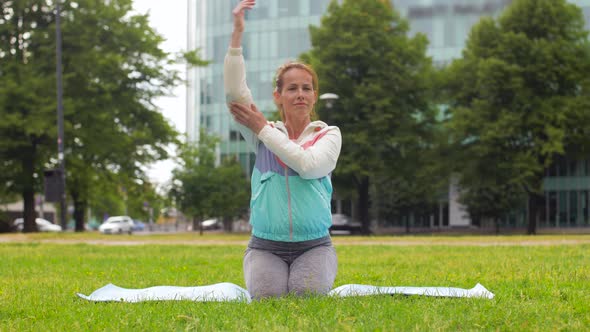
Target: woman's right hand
[{"x": 238, "y": 13}]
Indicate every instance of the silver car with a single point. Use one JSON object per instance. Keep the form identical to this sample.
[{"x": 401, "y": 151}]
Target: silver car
[
  {"x": 43, "y": 225},
  {"x": 117, "y": 225}
]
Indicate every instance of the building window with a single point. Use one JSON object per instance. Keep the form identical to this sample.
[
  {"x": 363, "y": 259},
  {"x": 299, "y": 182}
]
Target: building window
[
  {"x": 552, "y": 218},
  {"x": 318, "y": 7},
  {"x": 288, "y": 8},
  {"x": 206, "y": 121},
  {"x": 562, "y": 214},
  {"x": 220, "y": 45},
  {"x": 295, "y": 42},
  {"x": 584, "y": 202},
  {"x": 425, "y": 26},
  {"x": 561, "y": 165},
  {"x": 573, "y": 208},
  {"x": 205, "y": 93},
  {"x": 573, "y": 168},
  {"x": 262, "y": 11},
  {"x": 235, "y": 135}
]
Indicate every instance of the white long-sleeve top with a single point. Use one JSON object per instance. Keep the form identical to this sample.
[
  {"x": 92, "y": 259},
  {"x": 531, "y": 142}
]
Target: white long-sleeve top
[{"x": 313, "y": 154}]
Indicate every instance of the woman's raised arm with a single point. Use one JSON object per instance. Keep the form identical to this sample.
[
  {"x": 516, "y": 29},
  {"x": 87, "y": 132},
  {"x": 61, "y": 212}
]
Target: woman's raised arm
[{"x": 239, "y": 21}]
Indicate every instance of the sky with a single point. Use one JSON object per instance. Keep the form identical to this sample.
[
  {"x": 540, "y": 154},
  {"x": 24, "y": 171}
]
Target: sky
[{"x": 168, "y": 18}]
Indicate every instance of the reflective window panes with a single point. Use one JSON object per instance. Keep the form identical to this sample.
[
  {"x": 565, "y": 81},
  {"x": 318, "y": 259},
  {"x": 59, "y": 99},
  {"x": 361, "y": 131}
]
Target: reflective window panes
[
  {"x": 585, "y": 202},
  {"x": 318, "y": 7},
  {"x": 235, "y": 135},
  {"x": 278, "y": 31},
  {"x": 220, "y": 45},
  {"x": 288, "y": 8},
  {"x": 262, "y": 11},
  {"x": 573, "y": 208},
  {"x": 253, "y": 81}
]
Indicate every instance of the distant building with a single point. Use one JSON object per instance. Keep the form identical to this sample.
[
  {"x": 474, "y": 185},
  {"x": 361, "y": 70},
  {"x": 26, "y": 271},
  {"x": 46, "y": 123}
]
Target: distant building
[
  {"x": 15, "y": 210},
  {"x": 278, "y": 31}
]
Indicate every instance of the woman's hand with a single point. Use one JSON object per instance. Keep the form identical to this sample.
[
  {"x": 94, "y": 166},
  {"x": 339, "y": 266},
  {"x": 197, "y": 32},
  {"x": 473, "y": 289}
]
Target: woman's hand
[
  {"x": 250, "y": 117},
  {"x": 238, "y": 13}
]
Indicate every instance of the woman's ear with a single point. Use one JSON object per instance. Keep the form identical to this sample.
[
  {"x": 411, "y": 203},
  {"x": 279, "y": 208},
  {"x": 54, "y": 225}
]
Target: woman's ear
[{"x": 277, "y": 96}]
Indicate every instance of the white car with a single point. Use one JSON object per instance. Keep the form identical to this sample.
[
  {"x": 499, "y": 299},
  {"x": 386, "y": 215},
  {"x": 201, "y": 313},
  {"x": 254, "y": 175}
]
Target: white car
[
  {"x": 210, "y": 224},
  {"x": 117, "y": 225},
  {"x": 43, "y": 225},
  {"x": 343, "y": 224}
]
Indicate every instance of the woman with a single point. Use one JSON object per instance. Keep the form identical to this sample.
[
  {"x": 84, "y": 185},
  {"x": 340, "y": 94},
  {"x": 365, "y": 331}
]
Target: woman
[{"x": 290, "y": 250}]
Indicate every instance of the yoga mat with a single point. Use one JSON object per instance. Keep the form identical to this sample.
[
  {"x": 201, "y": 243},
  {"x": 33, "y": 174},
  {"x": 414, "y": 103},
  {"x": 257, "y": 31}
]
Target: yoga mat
[{"x": 226, "y": 291}]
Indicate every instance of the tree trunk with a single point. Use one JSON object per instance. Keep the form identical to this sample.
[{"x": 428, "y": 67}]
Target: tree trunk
[
  {"x": 197, "y": 224},
  {"x": 533, "y": 200},
  {"x": 227, "y": 224},
  {"x": 363, "y": 204},
  {"x": 29, "y": 213},
  {"x": 79, "y": 211}
]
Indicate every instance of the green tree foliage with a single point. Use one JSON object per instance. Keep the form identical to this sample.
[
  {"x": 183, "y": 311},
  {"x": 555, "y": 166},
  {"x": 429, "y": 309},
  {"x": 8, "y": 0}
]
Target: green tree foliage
[
  {"x": 203, "y": 190},
  {"x": 362, "y": 53},
  {"x": 27, "y": 98},
  {"x": 113, "y": 68},
  {"x": 519, "y": 98}
]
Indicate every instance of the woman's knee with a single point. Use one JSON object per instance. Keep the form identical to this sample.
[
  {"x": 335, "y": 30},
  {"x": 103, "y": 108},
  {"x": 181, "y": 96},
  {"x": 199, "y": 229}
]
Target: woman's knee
[
  {"x": 314, "y": 272},
  {"x": 266, "y": 275}
]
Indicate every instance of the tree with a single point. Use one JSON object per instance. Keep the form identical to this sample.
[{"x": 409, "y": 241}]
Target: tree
[
  {"x": 519, "y": 98},
  {"x": 113, "y": 68},
  {"x": 362, "y": 53},
  {"x": 204, "y": 190},
  {"x": 231, "y": 196},
  {"x": 27, "y": 99}
]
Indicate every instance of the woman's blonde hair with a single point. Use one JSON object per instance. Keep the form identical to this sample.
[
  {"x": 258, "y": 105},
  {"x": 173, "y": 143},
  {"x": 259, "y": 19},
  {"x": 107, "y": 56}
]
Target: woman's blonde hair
[{"x": 278, "y": 82}]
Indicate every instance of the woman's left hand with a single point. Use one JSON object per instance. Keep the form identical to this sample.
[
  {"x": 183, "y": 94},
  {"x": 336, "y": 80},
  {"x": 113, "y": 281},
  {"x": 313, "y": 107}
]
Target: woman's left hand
[{"x": 250, "y": 117}]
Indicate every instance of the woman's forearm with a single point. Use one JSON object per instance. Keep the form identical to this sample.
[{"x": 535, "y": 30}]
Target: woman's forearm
[
  {"x": 236, "y": 39},
  {"x": 240, "y": 22}
]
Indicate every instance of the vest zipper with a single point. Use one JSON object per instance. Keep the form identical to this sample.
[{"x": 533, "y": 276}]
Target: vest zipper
[{"x": 289, "y": 204}]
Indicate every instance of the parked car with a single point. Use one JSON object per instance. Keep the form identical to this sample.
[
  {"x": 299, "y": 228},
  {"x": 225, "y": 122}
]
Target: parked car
[
  {"x": 43, "y": 225},
  {"x": 211, "y": 224},
  {"x": 343, "y": 224},
  {"x": 117, "y": 225},
  {"x": 138, "y": 225}
]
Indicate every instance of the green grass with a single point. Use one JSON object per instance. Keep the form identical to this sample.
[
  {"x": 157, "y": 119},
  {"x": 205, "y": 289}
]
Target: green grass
[{"x": 537, "y": 287}]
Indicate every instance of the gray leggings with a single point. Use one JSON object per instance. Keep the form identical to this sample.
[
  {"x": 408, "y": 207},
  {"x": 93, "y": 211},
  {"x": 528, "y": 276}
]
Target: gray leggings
[{"x": 273, "y": 269}]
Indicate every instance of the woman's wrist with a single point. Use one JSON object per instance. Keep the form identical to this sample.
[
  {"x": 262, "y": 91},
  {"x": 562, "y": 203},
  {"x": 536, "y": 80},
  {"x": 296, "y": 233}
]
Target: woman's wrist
[
  {"x": 259, "y": 128},
  {"x": 236, "y": 39}
]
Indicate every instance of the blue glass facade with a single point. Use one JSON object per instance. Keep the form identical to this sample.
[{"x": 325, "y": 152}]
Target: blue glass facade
[{"x": 278, "y": 31}]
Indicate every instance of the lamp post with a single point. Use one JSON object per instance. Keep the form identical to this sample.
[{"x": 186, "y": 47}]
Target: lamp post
[
  {"x": 330, "y": 99},
  {"x": 60, "y": 119}
]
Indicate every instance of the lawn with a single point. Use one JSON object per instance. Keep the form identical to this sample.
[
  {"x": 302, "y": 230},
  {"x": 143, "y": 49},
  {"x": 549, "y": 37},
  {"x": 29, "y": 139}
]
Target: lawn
[{"x": 540, "y": 283}]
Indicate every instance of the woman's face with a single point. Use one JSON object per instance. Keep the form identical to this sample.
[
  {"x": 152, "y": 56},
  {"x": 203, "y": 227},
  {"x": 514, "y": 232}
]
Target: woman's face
[{"x": 297, "y": 97}]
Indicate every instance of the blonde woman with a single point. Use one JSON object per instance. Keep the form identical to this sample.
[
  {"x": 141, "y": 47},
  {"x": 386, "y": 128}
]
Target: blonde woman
[{"x": 290, "y": 250}]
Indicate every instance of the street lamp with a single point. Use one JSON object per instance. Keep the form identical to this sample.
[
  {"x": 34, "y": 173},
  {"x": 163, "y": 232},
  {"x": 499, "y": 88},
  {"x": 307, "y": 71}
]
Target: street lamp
[
  {"x": 60, "y": 118},
  {"x": 330, "y": 99}
]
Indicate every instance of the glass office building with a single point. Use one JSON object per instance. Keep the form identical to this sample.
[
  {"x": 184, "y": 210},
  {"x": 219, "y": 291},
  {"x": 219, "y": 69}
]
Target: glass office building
[{"x": 277, "y": 31}]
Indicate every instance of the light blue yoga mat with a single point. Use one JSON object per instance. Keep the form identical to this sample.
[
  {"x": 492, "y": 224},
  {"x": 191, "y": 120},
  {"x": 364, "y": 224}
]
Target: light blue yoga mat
[{"x": 226, "y": 291}]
